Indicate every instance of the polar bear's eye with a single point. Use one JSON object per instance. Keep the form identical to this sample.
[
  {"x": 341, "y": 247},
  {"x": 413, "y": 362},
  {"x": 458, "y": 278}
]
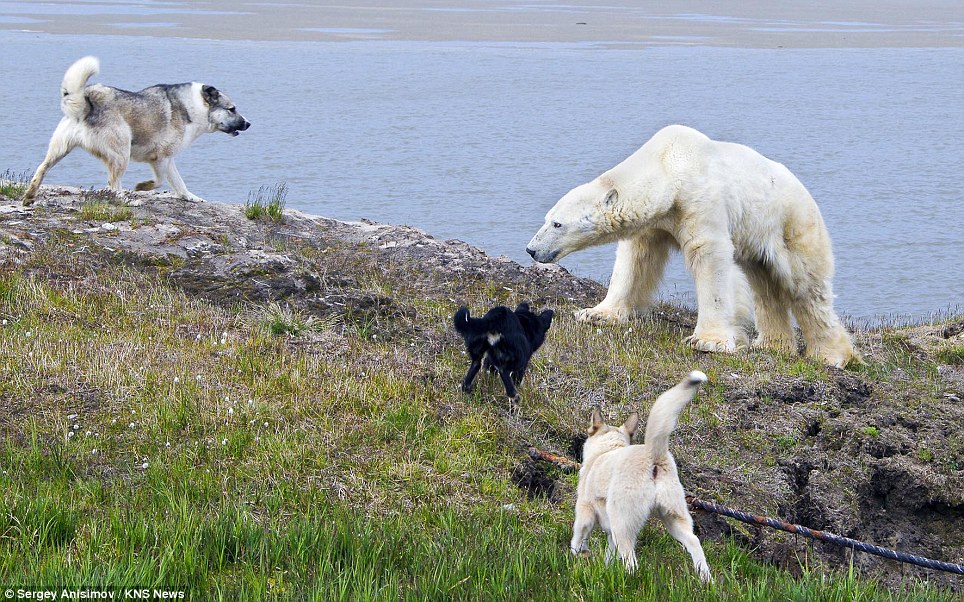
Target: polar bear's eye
[{"x": 556, "y": 225}]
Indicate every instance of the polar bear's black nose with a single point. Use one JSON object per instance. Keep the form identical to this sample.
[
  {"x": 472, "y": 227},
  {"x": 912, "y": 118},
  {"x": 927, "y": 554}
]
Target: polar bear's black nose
[{"x": 531, "y": 253}]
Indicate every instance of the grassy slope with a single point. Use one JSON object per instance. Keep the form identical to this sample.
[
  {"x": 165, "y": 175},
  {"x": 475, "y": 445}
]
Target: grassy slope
[{"x": 152, "y": 438}]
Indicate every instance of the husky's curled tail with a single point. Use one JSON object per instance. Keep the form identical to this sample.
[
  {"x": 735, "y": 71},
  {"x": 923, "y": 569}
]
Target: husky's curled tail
[
  {"x": 72, "y": 101},
  {"x": 665, "y": 412}
]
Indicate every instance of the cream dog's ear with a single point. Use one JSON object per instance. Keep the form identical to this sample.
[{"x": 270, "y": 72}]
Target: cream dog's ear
[
  {"x": 596, "y": 422},
  {"x": 632, "y": 423}
]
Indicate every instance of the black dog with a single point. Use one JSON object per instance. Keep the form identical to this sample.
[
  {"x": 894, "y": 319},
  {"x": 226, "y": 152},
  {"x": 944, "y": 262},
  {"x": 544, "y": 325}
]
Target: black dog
[{"x": 505, "y": 340}]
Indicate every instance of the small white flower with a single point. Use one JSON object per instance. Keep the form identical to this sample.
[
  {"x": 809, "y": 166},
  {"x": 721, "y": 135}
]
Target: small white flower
[
  {"x": 27, "y": 334},
  {"x": 266, "y": 424},
  {"x": 76, "y": 426},
  {"x": 114, "y": 421},
  {"x": 30, "y": 354},
  {"x": 4, "y": 322},
  {"x": 176, "y": 380},
  {"x": 88, "y": 434},
  {"x": 224, "y": 441},
  {"x": 198, "y": 377},
  {"x": 132, "y": 410},
  {"x": 230, "y": 411},
  {"x": 144, "y": 465},
  {"x": 251, "y": 423},
  {"x": 70, "y": 434},
  {"x": 198, "y": 337},
  {"x": 131, "y": 425},
  {"x": 71, "y": 416},
  {"x": 599, "y": 331},
  {"x": 93, "y": 452},
  {"x": 250, "y": 402},
  {"x": 167, "y": 444}
]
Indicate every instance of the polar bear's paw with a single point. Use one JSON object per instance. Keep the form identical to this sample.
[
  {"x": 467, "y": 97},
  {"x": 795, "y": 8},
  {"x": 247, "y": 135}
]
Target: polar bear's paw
[
  {"x": 786, "y": 345},
  {"x": 712, "y": 344},
  {"x": 605, "y": 315}
]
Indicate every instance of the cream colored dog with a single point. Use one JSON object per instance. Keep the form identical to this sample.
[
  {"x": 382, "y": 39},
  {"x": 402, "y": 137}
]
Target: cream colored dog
[{"x": 620, "y": 484}]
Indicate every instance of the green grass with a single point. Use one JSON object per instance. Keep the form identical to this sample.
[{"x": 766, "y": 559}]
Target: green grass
[
  {"x": 268, "y": 202},
  {"x": 103, "y": 206},
  {"x": 153, "y": 439},
  {"x": 13, "y": 185}
]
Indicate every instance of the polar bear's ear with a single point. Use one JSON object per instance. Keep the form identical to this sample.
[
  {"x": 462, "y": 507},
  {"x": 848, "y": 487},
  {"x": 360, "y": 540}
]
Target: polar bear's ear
[{"x": 611, "y": 198}]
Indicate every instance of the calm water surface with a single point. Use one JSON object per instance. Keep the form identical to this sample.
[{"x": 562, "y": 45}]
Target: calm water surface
[{"x": 476, "y": 141}]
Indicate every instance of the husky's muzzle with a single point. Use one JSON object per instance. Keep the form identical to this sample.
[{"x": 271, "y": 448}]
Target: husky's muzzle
[{"x": 236, "y": 128}]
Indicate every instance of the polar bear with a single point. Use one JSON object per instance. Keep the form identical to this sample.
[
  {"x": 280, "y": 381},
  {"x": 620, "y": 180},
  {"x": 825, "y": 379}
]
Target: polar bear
[{"x": 742, "y": 222}]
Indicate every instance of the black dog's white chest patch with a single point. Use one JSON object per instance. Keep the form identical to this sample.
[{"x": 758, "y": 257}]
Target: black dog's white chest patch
[{"x": 493, "y": 337}]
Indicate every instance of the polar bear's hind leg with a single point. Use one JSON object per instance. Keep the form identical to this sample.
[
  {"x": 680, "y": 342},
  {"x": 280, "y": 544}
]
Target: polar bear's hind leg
[{"x": 774, "y": 329}]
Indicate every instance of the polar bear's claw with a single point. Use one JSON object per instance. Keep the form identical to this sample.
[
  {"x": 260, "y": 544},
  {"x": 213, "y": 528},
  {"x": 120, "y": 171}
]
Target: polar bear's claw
[
  {"x": 711, "y": 345},
  {"x": 603, "y": 316}
]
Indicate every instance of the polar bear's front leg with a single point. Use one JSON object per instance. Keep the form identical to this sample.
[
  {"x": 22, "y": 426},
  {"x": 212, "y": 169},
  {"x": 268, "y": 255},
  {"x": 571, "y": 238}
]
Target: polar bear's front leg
[
  {"x": 638, "y": 269},
  {"x": 716, "y": 276}
]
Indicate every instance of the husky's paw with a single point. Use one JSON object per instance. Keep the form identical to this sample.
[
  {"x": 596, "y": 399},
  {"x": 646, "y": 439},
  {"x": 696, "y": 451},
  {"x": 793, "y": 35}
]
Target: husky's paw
[
  {"x": 29, "y": 196},
  {"x": 712, "y": 343}
]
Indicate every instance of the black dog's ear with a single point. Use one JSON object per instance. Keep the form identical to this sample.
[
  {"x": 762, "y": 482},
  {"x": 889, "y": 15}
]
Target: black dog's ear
[
  {"x": 210, "y": 95},
  {"x": 522, "y": 307},
  {"x": 546, "y": 317}
]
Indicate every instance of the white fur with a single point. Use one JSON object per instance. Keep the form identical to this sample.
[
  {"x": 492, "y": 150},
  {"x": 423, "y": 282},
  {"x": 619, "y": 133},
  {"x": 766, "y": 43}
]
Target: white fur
[
  {"x": 621, "y": 484},
  {"x": 742, "y": 221}
]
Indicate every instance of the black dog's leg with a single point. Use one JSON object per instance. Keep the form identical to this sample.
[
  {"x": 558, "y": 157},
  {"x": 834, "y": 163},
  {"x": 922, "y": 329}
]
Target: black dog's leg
[
  {"x": 470, "y": 375},
  {"x": 518, "y": 375},
  {"x": 510, "y": 390}
]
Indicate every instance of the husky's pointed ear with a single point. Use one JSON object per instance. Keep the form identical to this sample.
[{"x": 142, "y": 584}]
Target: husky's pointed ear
[
  {"x": 210, "y": 95},
  {"x": 632, "y": 423},
  {"x": 611, "y": 198},
  {"x": 596, "y": 422}
]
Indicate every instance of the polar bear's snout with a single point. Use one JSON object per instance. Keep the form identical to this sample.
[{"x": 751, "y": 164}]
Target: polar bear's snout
[
  {"x": 540, "y": 249},
  {"x": 542, "y": 256}
]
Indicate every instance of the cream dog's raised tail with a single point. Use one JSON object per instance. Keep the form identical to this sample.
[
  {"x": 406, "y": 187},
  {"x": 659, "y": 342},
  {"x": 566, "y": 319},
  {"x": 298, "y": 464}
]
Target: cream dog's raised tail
[{"x": 621, "y": 484}]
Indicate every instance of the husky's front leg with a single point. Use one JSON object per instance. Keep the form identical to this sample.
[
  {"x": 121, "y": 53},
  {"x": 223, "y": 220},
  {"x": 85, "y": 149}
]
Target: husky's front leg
[{"x": 177, "y": 183}]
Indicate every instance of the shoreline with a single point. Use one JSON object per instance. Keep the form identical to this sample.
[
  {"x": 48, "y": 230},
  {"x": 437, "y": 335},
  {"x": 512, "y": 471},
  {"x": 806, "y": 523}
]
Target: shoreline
[{"x": 612, "y": 24}]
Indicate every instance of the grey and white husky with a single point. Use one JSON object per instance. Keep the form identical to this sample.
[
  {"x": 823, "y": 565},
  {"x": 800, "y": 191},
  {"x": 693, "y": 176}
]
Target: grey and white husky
[{"x": 149, "y": 126}]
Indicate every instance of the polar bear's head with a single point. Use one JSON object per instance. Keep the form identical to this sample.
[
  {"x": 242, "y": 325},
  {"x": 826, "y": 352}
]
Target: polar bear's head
[{"x": 581, "y": 218}]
